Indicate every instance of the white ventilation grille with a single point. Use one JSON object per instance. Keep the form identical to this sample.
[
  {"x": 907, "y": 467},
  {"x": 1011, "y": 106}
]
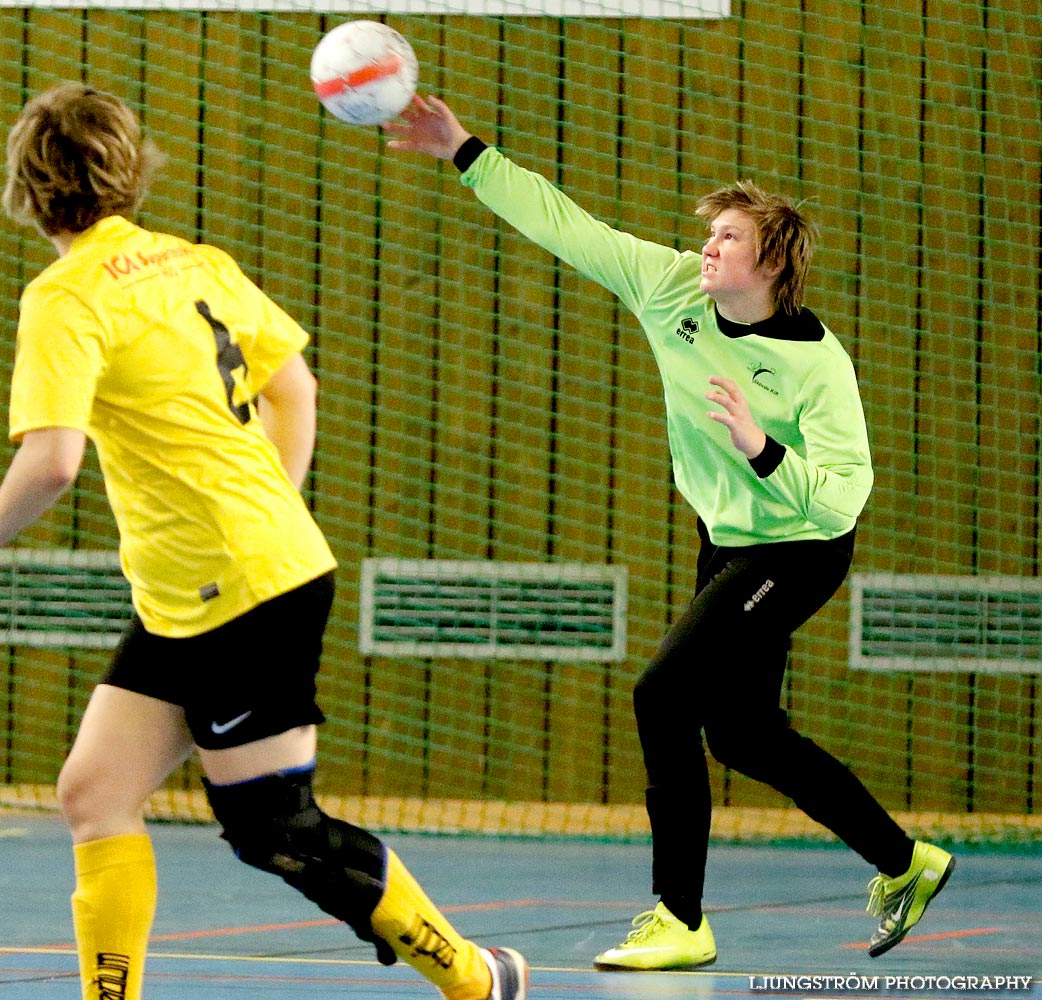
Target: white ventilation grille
[
  {"x": 985, "y": 624},
  {"x": 493, "y": 610},
  {"x": 62, "y": 598}
]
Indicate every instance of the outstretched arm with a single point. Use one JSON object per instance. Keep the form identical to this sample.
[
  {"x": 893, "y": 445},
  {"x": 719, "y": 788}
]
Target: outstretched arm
[
  {"x": 629, "y": 267},
  {"x": 428, "y": 126}
]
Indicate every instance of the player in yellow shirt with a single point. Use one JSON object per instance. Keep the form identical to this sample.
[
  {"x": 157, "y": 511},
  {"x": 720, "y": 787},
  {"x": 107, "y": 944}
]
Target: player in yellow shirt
[{"x": 191, "y": 384}]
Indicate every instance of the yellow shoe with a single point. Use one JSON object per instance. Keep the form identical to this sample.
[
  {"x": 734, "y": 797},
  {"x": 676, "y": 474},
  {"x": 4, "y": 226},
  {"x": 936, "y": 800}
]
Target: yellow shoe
[
  {"x": 902, "y": 901},
  {"x": 660, "y": 941}
]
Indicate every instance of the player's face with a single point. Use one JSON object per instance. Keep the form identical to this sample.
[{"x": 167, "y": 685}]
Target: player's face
[{"x": 729, "y": 268}]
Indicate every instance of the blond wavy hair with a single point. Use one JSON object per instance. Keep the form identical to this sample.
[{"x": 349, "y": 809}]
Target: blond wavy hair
[
  {"x": 76, "y": 155},
  {"x": 785, "y": 237}
]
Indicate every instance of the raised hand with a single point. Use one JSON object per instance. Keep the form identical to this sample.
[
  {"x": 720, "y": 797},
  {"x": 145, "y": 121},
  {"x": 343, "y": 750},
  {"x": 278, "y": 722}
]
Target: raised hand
[
  {"x": 746, "y": 436},
  {"x": 427, "y": 126}
]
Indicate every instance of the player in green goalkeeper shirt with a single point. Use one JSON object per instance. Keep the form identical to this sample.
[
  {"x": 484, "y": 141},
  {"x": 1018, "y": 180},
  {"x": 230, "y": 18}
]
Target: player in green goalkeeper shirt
[{"x": 769, "y": 446}]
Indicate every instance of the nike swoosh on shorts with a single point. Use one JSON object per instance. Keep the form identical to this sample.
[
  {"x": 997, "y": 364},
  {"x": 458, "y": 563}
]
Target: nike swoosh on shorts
[{"x": 220, "y": 728}]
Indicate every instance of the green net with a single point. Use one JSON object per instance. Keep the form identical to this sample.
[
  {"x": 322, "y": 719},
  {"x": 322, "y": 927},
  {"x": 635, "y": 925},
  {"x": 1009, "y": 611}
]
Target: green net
[{"x": 482, "y": 405}]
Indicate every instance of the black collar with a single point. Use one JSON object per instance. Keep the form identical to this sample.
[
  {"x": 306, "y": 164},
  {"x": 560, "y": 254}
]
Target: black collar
[{"x": 804, "y": 326}]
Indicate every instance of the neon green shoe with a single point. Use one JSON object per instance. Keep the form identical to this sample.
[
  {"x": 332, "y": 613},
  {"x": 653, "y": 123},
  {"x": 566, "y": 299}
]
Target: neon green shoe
[
  {"x": 902, "y": 901},
  {"x": 660, "y": 941}
]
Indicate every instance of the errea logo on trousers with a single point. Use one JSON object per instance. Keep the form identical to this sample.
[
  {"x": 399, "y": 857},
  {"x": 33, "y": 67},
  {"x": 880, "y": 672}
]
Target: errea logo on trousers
[{"x": 758, "y": 596}]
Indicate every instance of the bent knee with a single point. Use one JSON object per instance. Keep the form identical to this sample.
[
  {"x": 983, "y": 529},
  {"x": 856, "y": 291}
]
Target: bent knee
[
  {"x": 75, "y": 795},
  {"x": 740, "y": 746},
  {"x": 756, "y": 748},
  {"x": 655, "y": 691},
  {"x": 95, "y": 805}
]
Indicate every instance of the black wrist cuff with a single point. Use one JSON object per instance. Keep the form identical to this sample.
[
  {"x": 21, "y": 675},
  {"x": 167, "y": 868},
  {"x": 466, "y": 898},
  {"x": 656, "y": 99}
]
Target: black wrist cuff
[
  {"x": 769, "y": 459},
  {"x": 471, "y": 149}
]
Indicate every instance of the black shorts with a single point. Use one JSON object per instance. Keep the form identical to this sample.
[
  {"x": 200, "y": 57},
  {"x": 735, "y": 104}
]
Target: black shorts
[{"x": 247, "y": 679}]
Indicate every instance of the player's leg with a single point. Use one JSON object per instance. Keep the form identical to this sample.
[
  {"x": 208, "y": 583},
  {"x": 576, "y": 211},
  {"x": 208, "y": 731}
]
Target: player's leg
[
  {"x": 259, "y": 783},
  {"x": 678, "y": 797},
  {"x": 668, "y": 705},
  {"x": 675, "y": 934},
  {"x": 755, "y": 604},
  {"x": 668, "y": 702},
  {"x": 126, "y": 745},
  {"x": 272, "y": 822}
]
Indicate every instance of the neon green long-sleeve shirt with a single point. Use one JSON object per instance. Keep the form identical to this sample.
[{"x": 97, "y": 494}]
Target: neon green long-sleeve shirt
[{"x": 814, "y": 478}]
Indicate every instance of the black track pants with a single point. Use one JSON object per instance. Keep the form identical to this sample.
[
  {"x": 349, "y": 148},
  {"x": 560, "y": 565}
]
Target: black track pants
[{"x": 720, "y": 671}]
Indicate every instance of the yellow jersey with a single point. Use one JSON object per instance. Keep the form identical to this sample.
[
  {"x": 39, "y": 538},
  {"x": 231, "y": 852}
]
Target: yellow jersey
[{"x": 156, "y": 349}]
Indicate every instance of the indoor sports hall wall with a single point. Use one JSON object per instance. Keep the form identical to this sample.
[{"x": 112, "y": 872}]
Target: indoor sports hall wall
[{"x": 480, "y": 402}]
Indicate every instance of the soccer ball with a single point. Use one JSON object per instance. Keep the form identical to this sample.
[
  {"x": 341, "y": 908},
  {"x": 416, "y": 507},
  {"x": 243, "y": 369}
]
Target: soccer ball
[{"x": 364, "y": 72}]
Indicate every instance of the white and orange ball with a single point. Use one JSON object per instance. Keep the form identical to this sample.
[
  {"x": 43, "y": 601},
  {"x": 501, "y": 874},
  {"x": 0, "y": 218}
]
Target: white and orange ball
[{"x": 364, "y": 72}]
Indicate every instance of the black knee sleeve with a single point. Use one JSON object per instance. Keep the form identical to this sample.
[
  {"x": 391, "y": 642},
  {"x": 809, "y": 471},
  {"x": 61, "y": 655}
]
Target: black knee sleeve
[{"x": 273, "y": 823}]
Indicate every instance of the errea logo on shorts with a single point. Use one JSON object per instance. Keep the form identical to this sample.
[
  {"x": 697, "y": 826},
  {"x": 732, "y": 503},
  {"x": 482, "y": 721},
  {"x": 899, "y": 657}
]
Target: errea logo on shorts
[{"x": 758, "y": 596}]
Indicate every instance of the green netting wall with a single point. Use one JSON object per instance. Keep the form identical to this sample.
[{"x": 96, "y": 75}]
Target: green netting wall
[{"x": 480, "y": 402}]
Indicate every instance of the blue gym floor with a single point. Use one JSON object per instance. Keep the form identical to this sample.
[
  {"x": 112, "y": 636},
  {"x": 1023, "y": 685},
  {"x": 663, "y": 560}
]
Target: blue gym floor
[{"x": 226, "y": 932}]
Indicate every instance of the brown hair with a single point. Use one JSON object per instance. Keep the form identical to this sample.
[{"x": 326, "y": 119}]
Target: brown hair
[
  {"x": 74, "y": 156},
  {"x": 784, "y": 236}
]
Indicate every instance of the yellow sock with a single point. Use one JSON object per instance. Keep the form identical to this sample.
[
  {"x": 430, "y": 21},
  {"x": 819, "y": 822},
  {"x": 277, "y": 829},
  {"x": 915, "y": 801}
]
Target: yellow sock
[
  {"x": 413, "y": 926},
  {"x": 112, "y": 911}
]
